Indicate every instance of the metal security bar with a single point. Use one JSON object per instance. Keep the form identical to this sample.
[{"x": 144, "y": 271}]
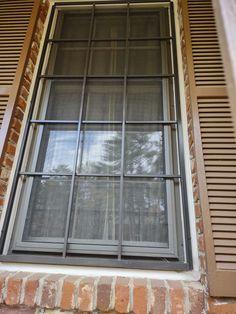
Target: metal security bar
[{"x": 34, "y": 121}]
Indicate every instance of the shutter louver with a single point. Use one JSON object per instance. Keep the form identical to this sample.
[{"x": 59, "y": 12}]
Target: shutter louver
[
  {"x": 215, "y": 144},
  {"x": 17, "y": 20}
]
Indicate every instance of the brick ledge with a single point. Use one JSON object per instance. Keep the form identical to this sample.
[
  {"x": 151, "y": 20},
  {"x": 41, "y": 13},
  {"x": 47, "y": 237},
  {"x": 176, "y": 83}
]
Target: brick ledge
[{"x": 22, "y": 292}]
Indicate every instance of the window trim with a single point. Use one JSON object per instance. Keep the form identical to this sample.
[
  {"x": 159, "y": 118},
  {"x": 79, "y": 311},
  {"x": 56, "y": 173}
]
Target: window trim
[{"x": 175, "y": 265}]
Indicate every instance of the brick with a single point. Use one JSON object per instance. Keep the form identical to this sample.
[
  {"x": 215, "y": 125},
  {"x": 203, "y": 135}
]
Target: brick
[
  {"x": 24, "y": 93},
  {"x": 122, "y": 295},
  {"x": 201, "y": 244},
  {"x": 176, "y": 295},
  {"x": 31, "y": 288},
  {"x": 104, "y": 293},
  {"x": 140, "y": 296},
  {"x": 198, "y": 211},
  {"x": 10, "y": 149},
  {"x": 220, "y": 306},
  {"x": 16, "y": 310},
  {"x": 16, "y": 125},
  {"x": 14, "y": 285},
  {"x": 196, "y": 300},
  {"x": 50, "y": 290},
  {"x": 68, "y": 291},
  {"x": 86, "y": 294},
  {"x": 21, "y": 103},
  {"x": 13, "y": 136},
  {"x": 158, "y": 297}
]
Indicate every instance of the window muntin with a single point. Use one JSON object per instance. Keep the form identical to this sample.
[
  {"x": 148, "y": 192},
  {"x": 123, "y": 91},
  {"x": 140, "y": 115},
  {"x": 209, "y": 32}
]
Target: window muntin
[{"x": 134, "y": 176}]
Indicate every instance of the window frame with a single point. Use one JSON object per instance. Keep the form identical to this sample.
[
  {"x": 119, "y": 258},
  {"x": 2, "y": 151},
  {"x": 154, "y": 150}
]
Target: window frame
[{"x": 105, "y": 261}]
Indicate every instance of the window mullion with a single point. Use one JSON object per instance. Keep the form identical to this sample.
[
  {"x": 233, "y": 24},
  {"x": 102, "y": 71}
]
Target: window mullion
[
  {"x": 78, "y": 137},
  {"x": 120, "y": 235}
]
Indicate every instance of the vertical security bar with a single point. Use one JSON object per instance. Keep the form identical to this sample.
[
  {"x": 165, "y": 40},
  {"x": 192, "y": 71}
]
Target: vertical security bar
[
  {"x": 78, "y": 136},
  {"x": 120, "y": 239},
  {"x": 180, "y": 143}
]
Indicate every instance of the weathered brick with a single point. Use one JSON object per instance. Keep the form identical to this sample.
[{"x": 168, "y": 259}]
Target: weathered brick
[
  {"x": 158, "y": 297},
  {"x": 68, "y": 292},
  {"x": 122, "y": 295},
  {"x": 50, "y": 290},
  {"x": 86, "y": 294},
  {"x": 14, "y": 285},
  {"x": 196, "y": 300},
  {"x": 31, "y": 288},
  {"x": 104, "y": 293},
  {"x": 176, "y": 295},
  {"x": 140, "y": 296}
]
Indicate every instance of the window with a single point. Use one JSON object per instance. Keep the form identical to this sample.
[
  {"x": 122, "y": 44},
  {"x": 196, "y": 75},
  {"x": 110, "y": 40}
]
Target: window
[{"x": 100, "y": 179}]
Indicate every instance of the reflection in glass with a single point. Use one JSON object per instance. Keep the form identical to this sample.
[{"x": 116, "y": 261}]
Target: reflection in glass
[
  {"x": 64, "y": 100},
  {"x": 144, "y": 150},
  {"x": 95, "y": 209},
  {"x": 56, "y": 150},
  {"x": 110, "y": 26},
  {"x": 144, "y": 100},
  {"x": 104, "y": 100},
  {"x": 67, "y": 59},
  {"x": 46, "y": 215},
  {"x": 75, "y": 25},
  {"x": 100, "y": 149},
  {"x": 145, "y": 215}
]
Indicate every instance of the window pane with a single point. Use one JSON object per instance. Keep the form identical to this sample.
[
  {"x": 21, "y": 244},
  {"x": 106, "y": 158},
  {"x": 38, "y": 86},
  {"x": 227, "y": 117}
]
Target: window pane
[
  {"x": 55, "y": 147},
  {"x": 47, "y": 209},
  {"x": 151, "y": 23},
  {"x": 107, "y": 61},
  {"x": 111, "y": 26},
  {"x": 144, "y": 100},
  {"x": 145, "y": 215},
  {"x": 67, "y": 59},
  {"x": 95, "y": 209},
  {"x": 149, "y": 57},
  {"x": 104, "y": 100},
  {"x": 73, "y": 25},
  {"x": 62, "y": 99},
  {"x": 144, "y": 150},
  {"x": 100, "y": 149}
]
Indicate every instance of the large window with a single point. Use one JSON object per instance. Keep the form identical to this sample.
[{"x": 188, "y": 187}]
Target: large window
[{"x": 101, "y": 177}]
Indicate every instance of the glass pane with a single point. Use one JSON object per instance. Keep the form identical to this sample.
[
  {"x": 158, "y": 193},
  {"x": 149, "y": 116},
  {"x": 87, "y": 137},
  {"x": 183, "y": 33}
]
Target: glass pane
[
  {"x": 73, "y": 25},
  {"x": 110, "y": 26},
  {"x": 55, "y": 147},
  {"x": 62, "y": 99},
  {"x": 145, "y": 214},
  {"x": 149, "y": 23},
  {"x": 107, "y": 61},
  {"x": 100, "y": 149},
  {"x": 95, "y": 209},
  {"x": 149, "y": 58},
  {"x": 67, "y": 59},
  {"x": 144, "y": 150},
  {"x": 47, "y": 208},
  {"x": 144, "y": 100},
  {"x": 104, "y": 100}
]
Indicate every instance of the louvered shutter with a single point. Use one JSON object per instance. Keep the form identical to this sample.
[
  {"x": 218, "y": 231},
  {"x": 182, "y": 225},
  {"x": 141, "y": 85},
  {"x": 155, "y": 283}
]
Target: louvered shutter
[
  {"x": 17, "y": 18},
  {"x": 215, "y": 145}
]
